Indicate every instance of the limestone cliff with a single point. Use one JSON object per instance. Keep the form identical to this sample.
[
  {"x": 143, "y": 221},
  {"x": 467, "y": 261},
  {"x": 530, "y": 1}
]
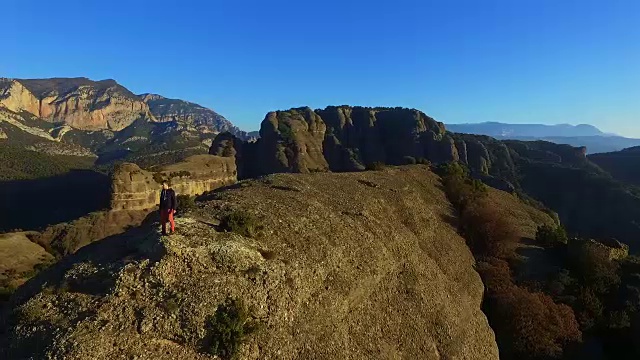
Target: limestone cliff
[
  {"x": 137, "y": 189},
  {"x": 345, "y": 266},
  {"x": 78, "y": 102}
]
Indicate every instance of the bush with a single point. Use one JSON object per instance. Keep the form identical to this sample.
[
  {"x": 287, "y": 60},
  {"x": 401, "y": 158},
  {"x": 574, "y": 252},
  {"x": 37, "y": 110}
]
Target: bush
[
  {"x": 227, "y": 330},
  {"x": 375, "y": 166},
  {"x": 409, "y": 160},
  {"x": 549, "y": 236},
  {"x": 286, "y": 133},
  {"x": 460, "y": 188},
  {"x": 186, "y": 202},
  {"x": 158, "y": 178},
  {"x": 528, "y": 325},
  {"x": 423, "y": 161},
  {"x": 240, "y": 222},
  {"x": 180, "y": 174},
  {"x": 488, "y": 231}
]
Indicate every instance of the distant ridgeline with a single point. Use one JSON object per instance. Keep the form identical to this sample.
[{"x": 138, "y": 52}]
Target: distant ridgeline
[
  {"x": 589, "y": 201},
  {"x": 104, "y": 120}
]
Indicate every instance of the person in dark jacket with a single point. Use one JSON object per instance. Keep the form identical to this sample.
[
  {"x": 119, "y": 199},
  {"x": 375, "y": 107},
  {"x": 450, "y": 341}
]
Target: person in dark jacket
[{"x": 168, "y": 205}]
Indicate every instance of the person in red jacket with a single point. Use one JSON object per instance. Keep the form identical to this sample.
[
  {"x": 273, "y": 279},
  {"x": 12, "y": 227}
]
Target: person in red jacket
[{"x": 168, "y": 205}]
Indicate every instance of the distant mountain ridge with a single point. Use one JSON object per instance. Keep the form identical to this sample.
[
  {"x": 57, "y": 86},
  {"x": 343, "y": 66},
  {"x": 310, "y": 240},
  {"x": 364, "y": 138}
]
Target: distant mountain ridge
[
  {"x": 590, "y": 136},
  {"x": 503, "y": 130},
  {"x": 104, "y": 119}
]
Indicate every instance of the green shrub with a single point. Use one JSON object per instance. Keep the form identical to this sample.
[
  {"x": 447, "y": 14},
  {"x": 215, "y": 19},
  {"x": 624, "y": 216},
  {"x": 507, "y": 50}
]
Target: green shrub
[
  {"x": 186, "y": 202},
  {"x": 286, "y": 133},
  {"x": 180, "y": 174},
  {"x": 227, "y": 330},
  {"x": 423, "y": 161},
  {"x": 460, "y": 188},
  {"x": 158, "y": 177},
  {"x": 240, "y": 222},
  {"x": 171, "y": 304},
  {"x": 5, "y": 293},
  {"x": 375, "y": 166},
  {"x": 549, "y": 236}
]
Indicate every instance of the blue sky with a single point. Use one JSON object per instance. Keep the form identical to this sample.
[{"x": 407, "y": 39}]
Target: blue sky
[{"x": 522, "y": 61}]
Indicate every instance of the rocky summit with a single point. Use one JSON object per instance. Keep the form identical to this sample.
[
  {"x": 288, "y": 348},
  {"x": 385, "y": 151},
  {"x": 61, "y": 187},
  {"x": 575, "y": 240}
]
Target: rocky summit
[{"x": 325, "y": 266}]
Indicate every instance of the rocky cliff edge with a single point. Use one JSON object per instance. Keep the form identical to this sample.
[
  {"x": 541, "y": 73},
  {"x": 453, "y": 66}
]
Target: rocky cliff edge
[{"x": 341, "y": 266}]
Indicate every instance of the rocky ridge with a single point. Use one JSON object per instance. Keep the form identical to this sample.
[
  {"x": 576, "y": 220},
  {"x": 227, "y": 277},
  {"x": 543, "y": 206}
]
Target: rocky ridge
[
  {"x": 358, "y": 265},
  {"x": 137, "y": 189},
  {"x": 348, "y": 138}
]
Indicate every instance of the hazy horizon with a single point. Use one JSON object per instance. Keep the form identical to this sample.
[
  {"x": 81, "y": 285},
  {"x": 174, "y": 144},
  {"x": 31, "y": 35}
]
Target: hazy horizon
[{"x": 459, "y": 62}]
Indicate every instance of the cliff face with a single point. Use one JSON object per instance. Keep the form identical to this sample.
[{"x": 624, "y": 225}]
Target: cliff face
[
  {"x": 80, "y": 103},
  {"x": 137, "y": 189},
  {"x": 346, "y": 266},
  {"x": 343, "y": 139},
  {"x": 358, "y": 136},
  {"x": 291, "y": 141}
]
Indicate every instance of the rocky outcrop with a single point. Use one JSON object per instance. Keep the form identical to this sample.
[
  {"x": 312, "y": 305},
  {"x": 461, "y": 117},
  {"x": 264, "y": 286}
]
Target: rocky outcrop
[
  {"x": 358, "y": 136},
  {"x": 204, "y": 119},
  {"x": 343, "y": 139},
  {"x": 228, "y": 145},
  {"x": 346, "y": 266},
  {"x": 78, "y": 102},
  {"x": 137, "y": 189},
  {"x": 610, "y": 249},
  {"x": 291, "y": 141}
]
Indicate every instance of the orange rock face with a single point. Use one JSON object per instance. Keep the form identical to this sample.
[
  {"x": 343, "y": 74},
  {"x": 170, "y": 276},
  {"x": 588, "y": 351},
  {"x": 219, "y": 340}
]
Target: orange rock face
[{"x": 80, "y": 103}]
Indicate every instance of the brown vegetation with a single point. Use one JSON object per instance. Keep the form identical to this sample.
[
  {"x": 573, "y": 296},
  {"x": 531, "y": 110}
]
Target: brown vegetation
[{"x": 528, "y": 324}]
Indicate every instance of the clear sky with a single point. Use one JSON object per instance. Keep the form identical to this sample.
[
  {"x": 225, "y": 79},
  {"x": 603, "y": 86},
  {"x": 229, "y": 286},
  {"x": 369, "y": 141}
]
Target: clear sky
[{"x": 532, "y": 61}]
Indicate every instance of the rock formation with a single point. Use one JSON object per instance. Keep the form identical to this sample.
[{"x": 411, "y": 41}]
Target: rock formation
[
  {"x": 346, "y": 266},
  {"x": 610, "y": 249},
  {"x": 137, "y": 189},
  {"x": 205, "y": 120},
  {"x": 344, "y": 139},
  {"x": 79, "y": 102},
  {"x": 291, "y": 141}
]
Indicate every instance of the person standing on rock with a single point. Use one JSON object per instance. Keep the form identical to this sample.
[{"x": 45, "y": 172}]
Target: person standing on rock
[{"x": 168, "y": 205}]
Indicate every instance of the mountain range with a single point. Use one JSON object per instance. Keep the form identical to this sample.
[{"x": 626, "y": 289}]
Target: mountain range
[
  {"x": 337, "y": 225},
  {"x": 103, "y": 119},
  {"x": 593, "y": 138}
]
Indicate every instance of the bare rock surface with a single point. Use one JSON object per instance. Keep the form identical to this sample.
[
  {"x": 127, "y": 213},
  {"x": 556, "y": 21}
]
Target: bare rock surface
[{"x": 343, "y": 266}]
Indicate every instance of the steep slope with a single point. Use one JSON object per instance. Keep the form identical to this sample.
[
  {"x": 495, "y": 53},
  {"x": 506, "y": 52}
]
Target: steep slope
[
  {"x": 78, "y": 102},
  {"x": 623, "y": 165},
  {"x": 359, "y": 265},
  {"x": 205, "y": 120}
]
